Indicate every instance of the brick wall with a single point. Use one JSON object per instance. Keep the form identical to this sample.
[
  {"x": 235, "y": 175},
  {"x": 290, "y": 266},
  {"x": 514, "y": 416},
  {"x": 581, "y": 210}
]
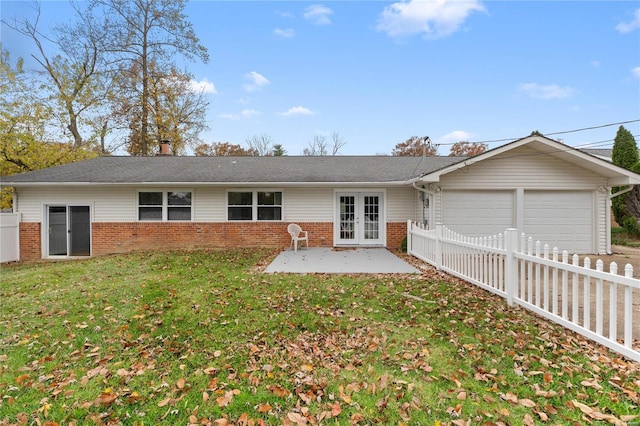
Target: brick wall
[
  {"x": 122, "y": 237},
  {"x": 30, "y": 242}
]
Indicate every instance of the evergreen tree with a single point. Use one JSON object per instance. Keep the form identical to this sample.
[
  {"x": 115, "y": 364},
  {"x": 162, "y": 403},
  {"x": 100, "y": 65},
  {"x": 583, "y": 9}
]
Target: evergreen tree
[{"x": 625, "y": 154}]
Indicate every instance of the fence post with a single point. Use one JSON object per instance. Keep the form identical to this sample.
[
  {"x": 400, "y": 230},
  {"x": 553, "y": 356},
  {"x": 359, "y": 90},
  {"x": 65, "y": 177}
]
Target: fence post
[
  {"x": 409, "y": 237},
  {"x": 439, "y": 231},
  {"x": 511, "y": 264}
]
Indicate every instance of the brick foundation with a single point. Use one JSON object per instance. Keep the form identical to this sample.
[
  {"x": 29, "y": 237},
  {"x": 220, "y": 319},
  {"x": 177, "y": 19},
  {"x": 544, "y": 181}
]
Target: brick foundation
[
  {"x": 122, "y": 237},
  {"x": 30, "y": 241}
]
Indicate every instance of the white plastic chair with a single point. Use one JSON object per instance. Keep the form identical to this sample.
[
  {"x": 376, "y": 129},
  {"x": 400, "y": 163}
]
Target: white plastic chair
[{"x": 297, "y": 234}]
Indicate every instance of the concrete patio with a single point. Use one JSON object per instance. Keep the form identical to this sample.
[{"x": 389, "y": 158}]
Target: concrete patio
[{"x": 340, "y": 261}]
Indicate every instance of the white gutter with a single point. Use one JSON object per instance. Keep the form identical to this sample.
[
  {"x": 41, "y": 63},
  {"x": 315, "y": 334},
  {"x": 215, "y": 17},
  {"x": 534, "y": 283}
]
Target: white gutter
[{"x": 193, "y": 184}]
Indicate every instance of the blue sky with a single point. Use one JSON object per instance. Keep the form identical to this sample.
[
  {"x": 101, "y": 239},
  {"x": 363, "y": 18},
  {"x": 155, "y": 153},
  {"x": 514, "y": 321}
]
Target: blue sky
[{"x": 378, "y": 72}]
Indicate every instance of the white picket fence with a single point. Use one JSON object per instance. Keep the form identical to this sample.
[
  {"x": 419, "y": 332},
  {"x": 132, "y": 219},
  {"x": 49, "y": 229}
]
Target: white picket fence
[
  {"x": 592, "y": 302},
  {"x": 9, "y": 237}
]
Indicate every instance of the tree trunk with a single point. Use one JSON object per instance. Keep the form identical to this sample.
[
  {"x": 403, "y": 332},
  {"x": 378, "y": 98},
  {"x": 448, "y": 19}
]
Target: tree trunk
[{"x": 633, "y": 202}]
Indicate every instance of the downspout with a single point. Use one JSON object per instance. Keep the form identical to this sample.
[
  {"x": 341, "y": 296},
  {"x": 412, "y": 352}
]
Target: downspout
[{"x": 608, "y": 216}]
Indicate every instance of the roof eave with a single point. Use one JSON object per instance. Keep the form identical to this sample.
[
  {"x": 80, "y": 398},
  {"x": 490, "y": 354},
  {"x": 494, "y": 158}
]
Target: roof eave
[{"x": 201, "y": 184}]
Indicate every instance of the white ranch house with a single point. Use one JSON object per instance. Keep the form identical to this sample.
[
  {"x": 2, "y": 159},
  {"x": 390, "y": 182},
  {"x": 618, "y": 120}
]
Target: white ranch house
[{"x": 539, "y": 186}]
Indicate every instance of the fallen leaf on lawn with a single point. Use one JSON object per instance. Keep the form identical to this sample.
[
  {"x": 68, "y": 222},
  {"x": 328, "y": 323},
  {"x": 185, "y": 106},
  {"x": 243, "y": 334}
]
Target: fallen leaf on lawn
[
  {"x": 527, "y": 403},
  {"x": 584, "y": 408},
  {"x": 180, "y": 383},
  {"x": 629, "y": 418},
  {"x": 528, "y": 420},
  {"x": 164, "y": 402},
  {"x": 461, "y": 422},
  {"x": 462, "y": 395},
  {"x": 357, "y": 418},
  {"x": 297, "y": 418},
  {"x": 279, "y": 391},
  {"x": 306, "y": 367},
  {"x": 264, "y": 408},
  {"x": 223, "y": 401},
  {"x": 543, "y": 416},
  {"x": 509, "y": 397},
  {"x": 335, "y": 409}
]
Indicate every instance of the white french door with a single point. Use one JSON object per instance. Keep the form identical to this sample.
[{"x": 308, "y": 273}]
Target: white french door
[{"x": 359, "y": 218}]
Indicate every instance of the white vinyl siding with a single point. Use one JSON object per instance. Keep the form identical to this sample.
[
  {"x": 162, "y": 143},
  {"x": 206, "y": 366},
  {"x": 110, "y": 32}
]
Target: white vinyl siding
[
  {"x": 402, "y": 204},
  {"x": 522, "y": 168},
  {"x": 308, "y": 204},
  {"x": 108, "y": 204}
]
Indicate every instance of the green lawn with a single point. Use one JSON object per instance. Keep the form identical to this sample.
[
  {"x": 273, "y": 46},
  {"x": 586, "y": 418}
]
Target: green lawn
[
  {"x": 203, "y": 337},
  {"x": 620, "y": 237}
]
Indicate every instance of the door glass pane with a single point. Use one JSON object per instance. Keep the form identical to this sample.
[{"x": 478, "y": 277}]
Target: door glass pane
[
  {"x": 57, "y": 231},
  {"x": 347, "y": 217},
  {"x": 371, "y": 217},
  {"x": 80, "y": 231}
]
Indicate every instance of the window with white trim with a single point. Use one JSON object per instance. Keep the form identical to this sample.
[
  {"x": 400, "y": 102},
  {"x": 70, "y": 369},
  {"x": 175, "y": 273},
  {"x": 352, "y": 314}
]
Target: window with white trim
[
  {"x": 164, "y": 205},
  {"x": 254, "y": 205}
]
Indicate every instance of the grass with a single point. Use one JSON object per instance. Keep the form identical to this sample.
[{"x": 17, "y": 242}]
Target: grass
[
  {"x": 620, "y": 237},
  {"x": 203, "y": 337}
]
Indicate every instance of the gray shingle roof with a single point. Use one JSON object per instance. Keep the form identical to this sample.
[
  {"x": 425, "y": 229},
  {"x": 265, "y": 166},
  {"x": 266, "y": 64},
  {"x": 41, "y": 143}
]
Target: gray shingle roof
[{"x": 171, "y": 169}]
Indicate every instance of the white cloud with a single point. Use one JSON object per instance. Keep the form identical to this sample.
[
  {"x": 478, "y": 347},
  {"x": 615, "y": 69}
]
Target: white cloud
[
  {"x": 456, "y": 136},
  {"x": 299, "y": 110},
  {"x": 551, "y": 91},
  {"x": 286, "y": 33},
  {"x": 203, "y": 86},
  {"x": 595, "y": 64},
  {"x": 284, "y": 14},
  {"x": 318, "y": 14},
  {"x": 256, "y": 81},
  {"x": 230, "y": 116},
  {"x": 245, "y": 114},
  {"x": 636, "y": 72},
  {"x": 248, "y": 113},
  {"x": 627, "y": 27},
  {"x": 433, "y": 19}
]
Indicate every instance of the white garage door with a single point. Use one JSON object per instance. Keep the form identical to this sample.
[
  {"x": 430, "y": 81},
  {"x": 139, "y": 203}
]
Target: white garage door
[
  {"x": 561, "y": 219},
  {"x": 478, "y": 213}
]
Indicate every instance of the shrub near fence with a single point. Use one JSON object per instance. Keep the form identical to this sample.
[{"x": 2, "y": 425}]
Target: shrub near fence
[{"x": 592, "y": 302}]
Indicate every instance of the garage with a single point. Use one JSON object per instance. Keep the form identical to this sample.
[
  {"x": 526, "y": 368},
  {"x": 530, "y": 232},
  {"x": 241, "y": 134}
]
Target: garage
[
  {"x": 562, "y": 219},
  {"x": 478, "y": 213}
]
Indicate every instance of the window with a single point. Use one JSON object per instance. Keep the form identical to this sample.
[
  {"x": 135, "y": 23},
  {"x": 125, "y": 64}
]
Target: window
[
  {"x": 164, "y": 205},
  {"x": 254, "y": 205}
]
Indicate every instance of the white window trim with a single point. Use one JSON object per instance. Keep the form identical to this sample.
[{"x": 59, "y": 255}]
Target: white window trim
[
  {"x": 165, "y": 204},
  {"x": 254, "y": 204}
]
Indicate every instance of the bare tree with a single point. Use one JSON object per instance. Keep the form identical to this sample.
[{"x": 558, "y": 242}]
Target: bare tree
[
  {"x": 320, "y": 147},
  {"x": 146, "y": 32},
  {"x": 77, "y": 81},
  {"x": 262, "y": 144}
]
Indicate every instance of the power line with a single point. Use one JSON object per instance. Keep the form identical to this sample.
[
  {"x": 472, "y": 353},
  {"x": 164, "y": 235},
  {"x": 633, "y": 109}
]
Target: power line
[{"x": 553, "y": 133}]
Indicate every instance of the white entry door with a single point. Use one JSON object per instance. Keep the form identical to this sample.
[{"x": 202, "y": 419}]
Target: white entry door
[{"x": 360, "y": 218}]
